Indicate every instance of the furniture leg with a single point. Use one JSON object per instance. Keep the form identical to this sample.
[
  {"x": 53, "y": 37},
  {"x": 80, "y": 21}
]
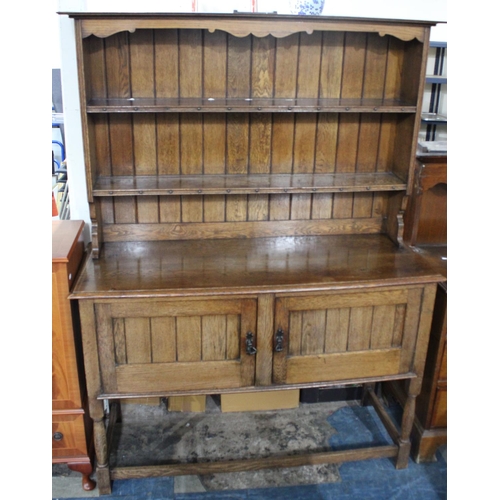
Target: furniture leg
[
  {"x": 85, "y": 470},
  {"x": 101, "y": 451},
  {"x": 407, "y": 424}
]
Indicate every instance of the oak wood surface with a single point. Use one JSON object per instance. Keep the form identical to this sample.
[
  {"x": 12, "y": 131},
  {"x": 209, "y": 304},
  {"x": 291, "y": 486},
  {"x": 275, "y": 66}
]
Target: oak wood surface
[
  {"x": 247, "y": 179},
  {"x": 250, "y": 265}
]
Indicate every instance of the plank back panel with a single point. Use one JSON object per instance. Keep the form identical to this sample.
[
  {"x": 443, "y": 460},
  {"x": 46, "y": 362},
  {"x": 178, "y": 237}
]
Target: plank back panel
[{"x": 321, "y": 64}]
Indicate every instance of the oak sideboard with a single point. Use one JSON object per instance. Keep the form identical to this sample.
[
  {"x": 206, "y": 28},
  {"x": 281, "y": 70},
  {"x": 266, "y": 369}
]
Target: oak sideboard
[{"x": 247, "y": 179}]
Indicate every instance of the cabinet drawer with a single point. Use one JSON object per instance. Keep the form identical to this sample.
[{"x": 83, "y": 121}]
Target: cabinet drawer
[
  {"x": 68, "y": 436},
  {"x": 168, "y": 346},
  {"x": 341, "y": 336}
]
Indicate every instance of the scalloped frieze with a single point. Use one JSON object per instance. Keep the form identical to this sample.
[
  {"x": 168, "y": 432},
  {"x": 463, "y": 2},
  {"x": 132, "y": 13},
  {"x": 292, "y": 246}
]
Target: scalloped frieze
[{"x": 103, "y": 28}]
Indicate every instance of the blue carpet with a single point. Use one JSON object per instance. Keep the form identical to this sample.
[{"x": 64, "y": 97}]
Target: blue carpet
[{"x": 375, "y": 479}]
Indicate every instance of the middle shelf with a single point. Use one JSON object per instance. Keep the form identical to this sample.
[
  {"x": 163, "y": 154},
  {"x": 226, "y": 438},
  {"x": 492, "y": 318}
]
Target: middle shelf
[{"x": 246, "y": 184}]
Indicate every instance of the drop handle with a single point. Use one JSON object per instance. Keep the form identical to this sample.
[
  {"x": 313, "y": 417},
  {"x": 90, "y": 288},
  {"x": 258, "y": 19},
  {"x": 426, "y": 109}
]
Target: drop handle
[
  {"x": 250, "y": 348},
  {"x": 279, "y": 340}
]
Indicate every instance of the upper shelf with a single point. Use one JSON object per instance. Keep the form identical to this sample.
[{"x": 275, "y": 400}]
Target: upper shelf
[
  {"x": 192, "y": 104},
  {"x": 246, "y": 184}
]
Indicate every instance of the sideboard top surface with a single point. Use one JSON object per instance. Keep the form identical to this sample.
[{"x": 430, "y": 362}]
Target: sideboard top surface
[{"x": 252, "y": 265}]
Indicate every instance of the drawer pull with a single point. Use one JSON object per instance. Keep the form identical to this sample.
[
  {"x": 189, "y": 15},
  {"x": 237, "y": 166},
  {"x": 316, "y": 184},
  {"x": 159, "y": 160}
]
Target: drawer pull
[
  {"x": 279, "y": 340},
  {"x": 58, "y": 436},
  {"x": 250, "y": 348}
]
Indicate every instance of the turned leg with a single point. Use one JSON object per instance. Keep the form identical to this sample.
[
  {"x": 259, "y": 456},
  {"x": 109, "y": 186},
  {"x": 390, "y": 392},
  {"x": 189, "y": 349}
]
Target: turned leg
[
  {"x": 85, "y": 470},
  {"x": 407, "y": 424},
  {"x": 101, "y": 452}
]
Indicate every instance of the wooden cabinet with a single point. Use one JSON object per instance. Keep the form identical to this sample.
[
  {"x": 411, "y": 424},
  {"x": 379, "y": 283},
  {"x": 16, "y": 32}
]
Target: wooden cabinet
[
  {"x": 426, "y": 223},
  {"x": 71, "y": 427},
  {"x": 247, "y": 179}
]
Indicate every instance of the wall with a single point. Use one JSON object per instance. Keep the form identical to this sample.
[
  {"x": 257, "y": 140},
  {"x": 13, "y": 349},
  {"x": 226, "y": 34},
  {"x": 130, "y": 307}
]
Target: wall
[{"x": 395, "y": 9}]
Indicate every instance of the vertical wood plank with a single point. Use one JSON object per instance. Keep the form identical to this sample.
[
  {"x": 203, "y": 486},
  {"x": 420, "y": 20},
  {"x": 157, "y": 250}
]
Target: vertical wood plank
[
  {"x": 138, "y": 340},
  {"x": 285, "y": 86},
  {"x": 354, "y": 61},
  {"x": 167, "y": 63},
  {"x": 237, "y": 143},
  {"x": 106, "y": 347},
  {"x": 236, "y": 208},
  {"x": 399, "y": 322},
  {"x": 260, "y": 143},
  {"x": 142, "y": 63},
  {"x": 285, "y": 78},
  {"x": 258, "y": 207},
  {"x": 192, "y": 208},
  {"x": 233, "y": 335},
  {"x": 295, "y": 333},
  {"x": 304, "y": 143},
  {"x": 392, "y": 89},
  {"x": 121, "y": 144},
  {"x": 168, "y": 143},
  {"x": 238, "y": 66},
  {"x": 263, "y": 63},
  {"x": 144, "y": 134},
  {"x": 125, "y": 210},
  {"x": 337, "y": 329},
  {"x": 265, "y": 340},
  {"x": 102, "y": 148},
  {"x": 360, "y": 326},
  {"x": 188, "y": 338},
  {"x": 214, "y": 86},
  {"x": 170, "y": 208},
  {"x": 322, "y": 205},
  {"x": 382, "y": 326},
  {"x": 282, "y": 318},
  {"x": 163, "y": 339},
  {"x": 282, "y": 143},
  {"x": 411, "y": 327},
  {"x": 279, "y": 207},
  {"x": 326, "y": 143},
  {"x": 388, "y": 129},
  {"x": 313, "y": 332},
  {"x": 375, "y": 67},
  {"x": 214, "y": 64},
  {"x": 191, "y": 125},
  {"x": 214, "y": 208},
  {"x": 117, "y": 65},
  {"x": 331, "y": 65},
  {"x": 248, "y": 324},
  {"x": 301, "y": 207},
  {"x": 107, "y": 210},
  {"x": 119, "y": 338},
  {"x": 213, "y": 337},
  {"x": 190, "y": 63},
  {"x": 95, "y": 67},
  {"x": 148, "y": 209},
  {"x": 309, "y": 64},
  {"x": 191, "y": 132}
]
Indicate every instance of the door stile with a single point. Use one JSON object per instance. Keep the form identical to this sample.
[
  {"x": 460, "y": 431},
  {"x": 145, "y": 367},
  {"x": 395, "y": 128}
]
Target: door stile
[
  {"x": 265, "y": 324},
  {"x": 248, "y": 326},
  {"x": 281, "y": 324}
]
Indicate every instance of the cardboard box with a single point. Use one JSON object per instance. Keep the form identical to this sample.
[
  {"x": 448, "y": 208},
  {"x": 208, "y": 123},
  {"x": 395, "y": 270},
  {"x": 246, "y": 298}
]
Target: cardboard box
[
  {"x": 187, "y": 403},
  {"x": 260, "y": 401}
]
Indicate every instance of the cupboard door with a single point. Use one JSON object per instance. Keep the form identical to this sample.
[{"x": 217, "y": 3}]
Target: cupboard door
[
  {"x": 343, "y": 336},
  {"x": 182, "y": 345}
]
